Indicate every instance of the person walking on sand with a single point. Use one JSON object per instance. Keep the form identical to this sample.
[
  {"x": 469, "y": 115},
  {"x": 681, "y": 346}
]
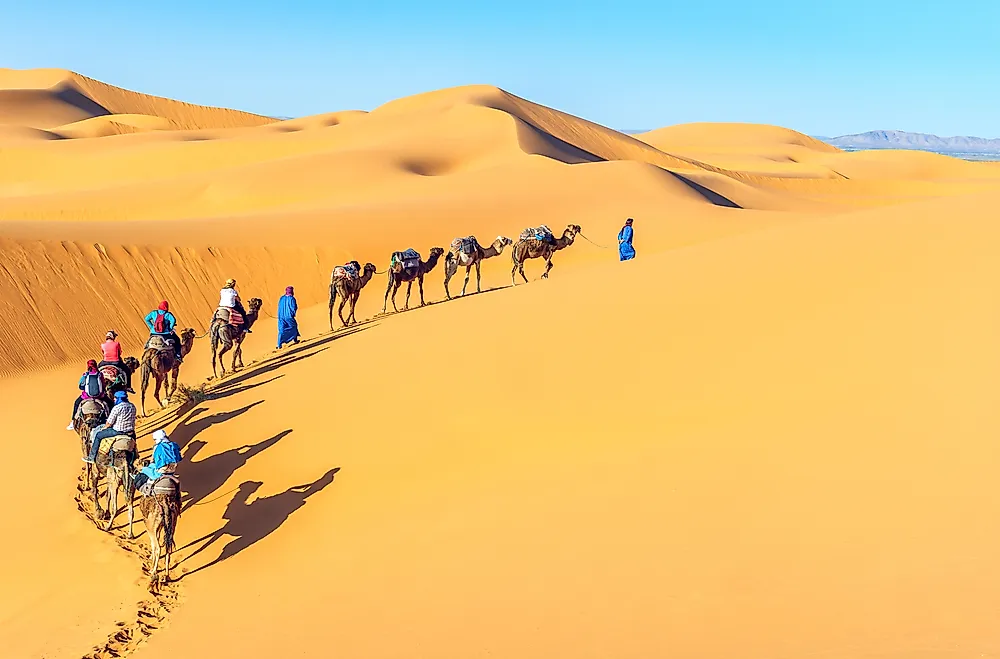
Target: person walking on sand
[
  {"x": 288, "y": 327},
  {"x": 625, "y": 250},
  {"x": 112, "y": 351}
]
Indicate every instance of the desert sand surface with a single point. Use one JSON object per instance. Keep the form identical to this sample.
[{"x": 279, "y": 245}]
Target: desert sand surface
[{"x": 772, "y": 434}]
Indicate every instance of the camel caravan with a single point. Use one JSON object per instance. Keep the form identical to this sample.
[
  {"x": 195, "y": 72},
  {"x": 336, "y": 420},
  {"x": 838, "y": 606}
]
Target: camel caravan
[
  {"x": 105, "y": 419},
  {"x": 408, "y": 266}
]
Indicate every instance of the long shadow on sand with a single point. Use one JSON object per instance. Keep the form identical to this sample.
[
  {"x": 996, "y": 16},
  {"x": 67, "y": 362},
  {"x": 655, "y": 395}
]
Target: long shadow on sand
[
  {"x": 236, "y": 384},
  {"x": 191, "y": 426},
  {"x": 202, "y": 478},
  {"x": 250, "y": 523}
]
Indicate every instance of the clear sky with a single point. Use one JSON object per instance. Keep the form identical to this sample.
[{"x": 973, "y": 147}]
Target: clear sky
[{"x": 820, "y": 66}]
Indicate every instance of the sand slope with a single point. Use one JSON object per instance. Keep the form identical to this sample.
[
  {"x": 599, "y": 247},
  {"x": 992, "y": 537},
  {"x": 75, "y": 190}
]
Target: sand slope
[{"x": 770, "y": 435}]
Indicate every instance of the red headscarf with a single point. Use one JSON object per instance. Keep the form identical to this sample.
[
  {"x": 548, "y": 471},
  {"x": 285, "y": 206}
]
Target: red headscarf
[
  {"x": 91, "y": 364},
  {"x": 289, "y": 290},
  {"x": 164, "y": 306}
]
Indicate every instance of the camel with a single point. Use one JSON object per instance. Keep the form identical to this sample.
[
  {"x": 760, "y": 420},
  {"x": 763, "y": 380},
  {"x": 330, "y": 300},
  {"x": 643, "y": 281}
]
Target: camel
[
  {"x": 118, "y": 469},
  {"x": 532, "y": 248},
  {"x": 161, "y": 365},
  {"x": 456, "y": 258},
  {"x": 349, "y": 289},
  {"x": 92, "y": 413},
  {"x": 398, "y": 274},
  {"x": 231, "y": 336},
  {"x": 160, "y": 512},
  {"x": 109, "y": 373}
]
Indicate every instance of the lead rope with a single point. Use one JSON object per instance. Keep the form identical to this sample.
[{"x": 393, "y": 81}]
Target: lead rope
[{"x": 592, "y": 242}]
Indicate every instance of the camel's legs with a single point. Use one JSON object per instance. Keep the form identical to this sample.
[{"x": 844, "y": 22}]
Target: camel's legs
[
  {"x": 447, "y": 277},
  {"x": 166, "y": 565},
  {"x": 154, "y": 550},
  {"x": 420, "y": 285},
  {"x": 354, "y": 303},
  {"x": 145, "y": 384},
  {"x": 388, "y": 289},
  {"x": 226, "y": 347},
  {"x": 548, "y": 266},
  {"x": 112, "y": 492},
  {"x": 174, "y": 377},
  {"x": 409, "y": 287},
  {"x": 340, "y": 311},
  {"x": 129, "y": 499},
  {"x": 468, "y": 273},
  {"x": 94, "y": 479},
  {"x": 520, "y": 269},
  {"x": 479, "y": 288},
  {"x": 395, "y": 289},
  {"x": 156, "y": 390}
]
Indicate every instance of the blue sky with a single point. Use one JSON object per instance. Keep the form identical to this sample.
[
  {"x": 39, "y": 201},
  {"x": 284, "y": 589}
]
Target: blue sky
[{"x": 822, "y": 67}]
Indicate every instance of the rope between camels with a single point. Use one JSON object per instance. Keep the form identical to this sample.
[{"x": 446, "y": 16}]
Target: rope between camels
[{"x": 592, "y": 242}]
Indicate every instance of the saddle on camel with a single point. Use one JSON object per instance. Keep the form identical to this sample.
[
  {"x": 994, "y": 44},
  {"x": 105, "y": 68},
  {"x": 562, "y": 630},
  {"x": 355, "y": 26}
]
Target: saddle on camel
[
  {"x": 541, "y": 233},
  {"x": 406, "y": 261},
  {"x": 230, "y": 309},
  {"x": 464, "y": 248},
  {"x": 350, "y": 270}
]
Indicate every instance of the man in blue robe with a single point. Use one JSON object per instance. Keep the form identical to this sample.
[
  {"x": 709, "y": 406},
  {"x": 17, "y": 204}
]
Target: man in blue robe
[
  {"x": 625, "y": 249},
  {"x": 288, "y": 328}
]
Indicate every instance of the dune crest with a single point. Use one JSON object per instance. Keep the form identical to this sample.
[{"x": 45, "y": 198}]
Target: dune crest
[{"x": 46, "y": 98}]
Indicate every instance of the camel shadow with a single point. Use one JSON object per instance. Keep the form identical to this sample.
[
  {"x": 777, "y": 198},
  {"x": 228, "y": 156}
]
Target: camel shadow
[
  {"x": 454, "y": 298},
  {"x": 226, "y": 387},
  {"x": 250, "y": 523},
  {"x": 204, "y": 477},
  {"x": 226, "y": 392},
  {"x": 190, "y": 427}
]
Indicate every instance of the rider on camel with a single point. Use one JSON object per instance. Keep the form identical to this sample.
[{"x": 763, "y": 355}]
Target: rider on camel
[
  {"x": 112, "y": 351},
  {"x": 91, "y": 388},
  {"x": 229, "y": 299},
  {"x": 162, "y": 323}
]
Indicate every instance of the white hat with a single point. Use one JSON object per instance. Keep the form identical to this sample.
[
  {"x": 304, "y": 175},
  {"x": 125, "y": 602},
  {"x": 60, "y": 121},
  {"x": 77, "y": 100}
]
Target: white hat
[{"x": 160, "y": 436}]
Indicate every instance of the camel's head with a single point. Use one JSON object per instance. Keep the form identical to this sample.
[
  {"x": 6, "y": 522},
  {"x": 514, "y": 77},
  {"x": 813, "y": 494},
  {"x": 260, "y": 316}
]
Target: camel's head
[
  {"x": 255, "y": 304},
  {"x": 574, "y": 229},
  {"x": 132, "y": 364},
  {"x": 436, "y": 253},
  {"x": 370, "y": 269},
  {"x": 503, "y": 241},
  {"x": 187, "y": 336}
]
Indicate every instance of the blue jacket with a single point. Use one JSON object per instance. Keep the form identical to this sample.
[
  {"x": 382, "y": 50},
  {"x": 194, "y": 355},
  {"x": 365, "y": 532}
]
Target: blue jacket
[
  {"x": 168, "y": 319},
  {"x": 164, "y": 453}
]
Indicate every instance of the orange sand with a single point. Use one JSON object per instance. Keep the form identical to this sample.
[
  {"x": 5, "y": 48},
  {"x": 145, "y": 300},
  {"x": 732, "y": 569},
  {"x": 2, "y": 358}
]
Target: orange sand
[{"x": 773, "y": 434}]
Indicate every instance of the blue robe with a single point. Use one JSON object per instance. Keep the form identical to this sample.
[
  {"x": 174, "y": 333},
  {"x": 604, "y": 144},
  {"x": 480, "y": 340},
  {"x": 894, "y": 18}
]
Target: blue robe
[
  {"x": 625, "y": 249},
  {"x": 288, "y": 328},
  {"x": 164, "y": 453}
]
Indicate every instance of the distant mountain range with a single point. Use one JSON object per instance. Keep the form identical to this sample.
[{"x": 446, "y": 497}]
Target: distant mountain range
[{"x": 898, "y": 139}]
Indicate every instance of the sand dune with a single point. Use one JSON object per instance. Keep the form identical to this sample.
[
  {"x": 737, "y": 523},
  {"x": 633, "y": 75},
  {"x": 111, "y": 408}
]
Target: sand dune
[
  {"x": 44, "y": 98},
  {"x": 769, "y": 435}
]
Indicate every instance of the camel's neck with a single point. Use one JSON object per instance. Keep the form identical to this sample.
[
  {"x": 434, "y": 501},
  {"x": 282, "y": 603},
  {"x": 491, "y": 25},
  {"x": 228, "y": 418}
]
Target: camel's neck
[
  {"x": 366, "y": 277},
  {"x": 186, "y": 346},
  {"x": 566, "y": 240},
  {"x": 250, "y": 319},
  {"x": 492, "y": 250},
  {"x": 431, "y": 262}
]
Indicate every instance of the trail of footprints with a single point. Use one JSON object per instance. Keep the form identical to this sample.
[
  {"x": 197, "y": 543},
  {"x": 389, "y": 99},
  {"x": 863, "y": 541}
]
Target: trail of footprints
[{"x": 151, "y": 613}]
